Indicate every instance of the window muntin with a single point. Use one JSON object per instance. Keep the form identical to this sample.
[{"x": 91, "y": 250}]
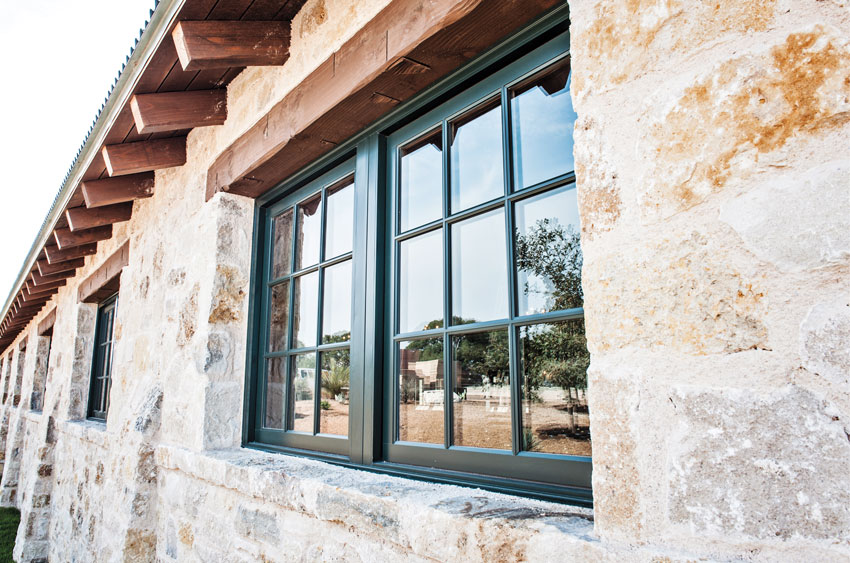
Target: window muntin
[
  {"x": 499, "y": 370},
  {"x": 101, "y": 379},
  {"x": 308, "y": 288}
]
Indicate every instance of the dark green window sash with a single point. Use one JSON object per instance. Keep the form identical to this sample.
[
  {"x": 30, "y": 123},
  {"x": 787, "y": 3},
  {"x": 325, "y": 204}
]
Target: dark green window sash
[
  {"x": 101, "y": 375},
  {"x": 370, "y": 443}
]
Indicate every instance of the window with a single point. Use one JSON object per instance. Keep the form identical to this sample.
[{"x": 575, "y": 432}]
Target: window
[
  {"x": 419, "y": 303},
  {"x": 102, "y": 362}
]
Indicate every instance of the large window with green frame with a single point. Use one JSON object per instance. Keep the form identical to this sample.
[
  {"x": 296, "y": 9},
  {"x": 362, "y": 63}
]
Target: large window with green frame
[{"x": 419, "y": 304}]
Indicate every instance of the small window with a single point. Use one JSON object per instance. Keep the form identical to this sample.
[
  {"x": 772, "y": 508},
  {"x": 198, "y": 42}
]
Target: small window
[{"x": 102, "y": 363}]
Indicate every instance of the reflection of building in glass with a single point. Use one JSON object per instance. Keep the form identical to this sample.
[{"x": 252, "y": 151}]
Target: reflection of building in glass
[{"x": 421, "y": 381}]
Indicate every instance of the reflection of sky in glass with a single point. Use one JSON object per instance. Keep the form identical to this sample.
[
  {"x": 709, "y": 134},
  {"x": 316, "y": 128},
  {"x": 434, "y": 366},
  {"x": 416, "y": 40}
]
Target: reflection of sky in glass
[
  {"x": 479, "y": 271},
  {"x": 542, "y": 120},
  {"x": 476, "y": 153},
  {"x": 560, "y": 208},
  {"x": 336, "y": 314},
  {"x": 421, "y": 185},
  {"x": 306, "y": 309},
  {"x": 339, "y": 229},
  {"x": 421, "y": 281},
  {"x": 309, "y": 230}
]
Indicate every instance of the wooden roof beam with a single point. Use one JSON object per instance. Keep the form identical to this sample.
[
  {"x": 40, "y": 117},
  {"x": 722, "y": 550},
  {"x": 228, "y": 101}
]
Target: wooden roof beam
[
  {"x": 80, "y": 218},
  {"x": 144, "y": 156},
  {"x": 38, "y": 279},
  {"x": 38, "y": 297},
  {"x": 45, "y": 268},
  {"x": 34, "y": 288},
  {"x": 203, "y": 45},
  {"x": 55, "y": 255},
  {"x": 66, "y": 238},
  {"x": 173, "y": 111},
  {"x": 120, "y": 189}
]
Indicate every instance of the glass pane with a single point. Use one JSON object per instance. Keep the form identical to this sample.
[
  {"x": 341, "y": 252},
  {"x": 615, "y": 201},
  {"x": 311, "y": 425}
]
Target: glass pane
[
  {"x": 275, "y": 383},
  {"x": 548, "y": 253},
  {"x": 306, "y": 310},
  {"x": 421, "y": 198},
  {"x": 333, "y": 408},
  {"x": 302, "y": 403},
  {"x": 421, "y": 282},
  {"x": 479, "y": 269},
  {"x": 482, "y": 390},
  {"x": 336, "y": 311},
  {"x": 553, "y": 376},
  {"x": 542, "y": 121},
  {"x": 309, "y": 232},
  {"x": 282, "y": 244},
  {"x": 421, "y": 392},
  {"x": 476, "y": 153},
  {"x": 339, "y": 224},
  {"x": 279, "y": 316}
]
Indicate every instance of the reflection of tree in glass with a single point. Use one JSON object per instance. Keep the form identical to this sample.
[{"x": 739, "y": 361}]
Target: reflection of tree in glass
[
  {"x": 554, "y": 354},
  {"x": 552, "y": 253},
  {"x": 484, "y": 354},
  {"x": 336, "y": 367}
]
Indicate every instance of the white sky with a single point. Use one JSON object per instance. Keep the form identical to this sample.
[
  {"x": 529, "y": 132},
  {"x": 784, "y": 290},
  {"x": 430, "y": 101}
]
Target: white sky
[{"x": 58, "y": 60}]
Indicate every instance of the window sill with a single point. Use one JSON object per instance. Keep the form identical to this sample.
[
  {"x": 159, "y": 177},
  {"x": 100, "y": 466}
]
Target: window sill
[
  {"x": 391, "y": 507},
  {"x": 93, "y": 431}
]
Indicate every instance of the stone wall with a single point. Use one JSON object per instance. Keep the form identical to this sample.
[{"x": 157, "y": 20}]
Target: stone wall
[{"x": 714, "y": 187}]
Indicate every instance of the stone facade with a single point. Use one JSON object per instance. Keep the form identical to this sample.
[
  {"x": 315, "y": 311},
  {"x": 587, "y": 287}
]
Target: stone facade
[{"x": 714, "y": 187}]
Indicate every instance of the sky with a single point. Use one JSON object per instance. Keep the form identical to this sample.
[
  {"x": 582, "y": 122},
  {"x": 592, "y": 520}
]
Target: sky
[{"x": 58, "y": 60}]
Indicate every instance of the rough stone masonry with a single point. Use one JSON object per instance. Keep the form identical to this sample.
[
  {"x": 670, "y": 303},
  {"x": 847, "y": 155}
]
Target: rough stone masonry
[{"x": 713, "y": 173}]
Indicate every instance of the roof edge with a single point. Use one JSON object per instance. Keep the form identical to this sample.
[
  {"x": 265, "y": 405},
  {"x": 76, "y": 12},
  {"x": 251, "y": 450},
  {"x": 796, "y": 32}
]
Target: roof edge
[{"x": 162, "y": 19}]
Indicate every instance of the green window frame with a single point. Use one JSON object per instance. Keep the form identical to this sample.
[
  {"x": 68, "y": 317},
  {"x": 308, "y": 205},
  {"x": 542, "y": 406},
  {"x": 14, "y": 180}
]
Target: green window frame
[
  {"x": 101, "y": 373},
  {"x": 373, "y": 158}
]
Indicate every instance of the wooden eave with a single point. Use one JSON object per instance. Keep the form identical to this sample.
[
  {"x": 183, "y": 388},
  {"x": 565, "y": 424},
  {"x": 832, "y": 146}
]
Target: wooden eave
[{"x": 153, "y": 67}]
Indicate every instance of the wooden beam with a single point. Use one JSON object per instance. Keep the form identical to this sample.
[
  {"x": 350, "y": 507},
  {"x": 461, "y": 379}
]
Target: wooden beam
[
  {"x": 104, "y": 281},
  {"x": 35, "y": 288},
  {"x": 65, "y": 238},
  {"x": 173, "y": 111},
  {"x": 397, "y": 54},
  {"x": 203, "y": 45},
  {"x": 144, "y": 156},
  {"x": 80, "y": 218},
  {"x": 38, "y": 297},
  {"x": 47, "y": 322},
  {"x": 45, "y": 268},
  {"x": 120, "y": 189},
  {"x": 34, "y": 291},
  {"x": 55, "y": 255}
]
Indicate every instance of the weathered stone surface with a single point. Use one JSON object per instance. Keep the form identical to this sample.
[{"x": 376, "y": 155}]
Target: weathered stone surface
[
  {"x": 788, "y": 222},
  {"x": 825, "y": 342},
  {"x": 741, "y": 465}
]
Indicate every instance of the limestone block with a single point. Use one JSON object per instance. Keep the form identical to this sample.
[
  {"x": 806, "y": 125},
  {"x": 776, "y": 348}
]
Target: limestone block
[
  {"x": 741, "y": 465},
  {"x": 797, "y": 221},
  {"x": 682, "y": 291}
]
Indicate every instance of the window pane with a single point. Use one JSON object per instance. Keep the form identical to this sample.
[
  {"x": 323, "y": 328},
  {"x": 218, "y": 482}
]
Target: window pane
[
  {"x": 421, "y": 182},
  {"x": 303, "y": 392},
  {"x": 306, "y": 310},
  {"x": 282, "y": 244},
  {"x": 339, "y": 229},
  {"x": 542, "y": 120},
  {"x": 421, "y": 282},
  {"x": 421, "y": 393},
  {"x": 279, "y": 316},
  {"x": 479, "y": 270},
  {"x": 476, "y": 153},
  {"x": 554, "y": 361},
  {"x": 275, "y": 383},
  {"x": 548, "y": 253},
  {"x": 333, "y": 408},
  {"x": 309, "y": 232},
  {"x": 482, "y": 390},
  {"x": 336, "y": 311}
]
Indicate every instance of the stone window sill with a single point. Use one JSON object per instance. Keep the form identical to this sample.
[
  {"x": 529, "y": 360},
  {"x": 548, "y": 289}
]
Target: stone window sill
[
  {"x": 93, "y": 431},
  {"x": 399, "y": 507}
]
